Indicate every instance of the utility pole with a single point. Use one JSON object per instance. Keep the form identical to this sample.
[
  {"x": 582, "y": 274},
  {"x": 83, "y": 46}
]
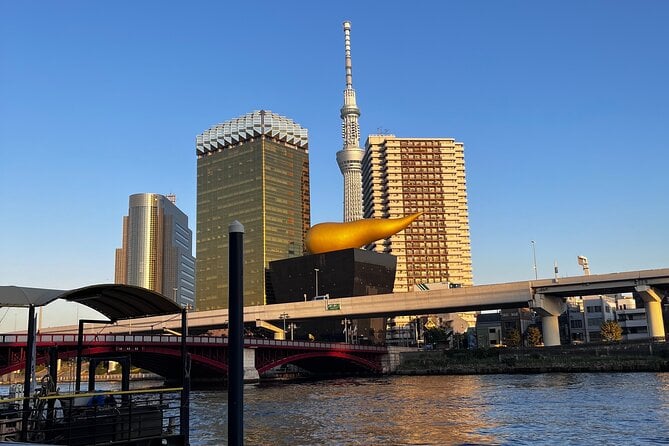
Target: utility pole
[{"x": 534, "y": 256}]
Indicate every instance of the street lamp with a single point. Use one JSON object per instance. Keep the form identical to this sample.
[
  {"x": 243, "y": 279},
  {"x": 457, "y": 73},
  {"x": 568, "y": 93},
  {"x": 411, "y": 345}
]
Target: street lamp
[
  {"x": 345, "y": 323},
  {"x": 534, "y": 256},
  {"x": 316, "y": 271},
  {"x": 284, "y": 316}
]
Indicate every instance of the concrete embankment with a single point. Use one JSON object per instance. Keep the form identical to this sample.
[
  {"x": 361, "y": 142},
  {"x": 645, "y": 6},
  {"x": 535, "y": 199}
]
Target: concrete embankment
[{"x": 614, "y": 357}]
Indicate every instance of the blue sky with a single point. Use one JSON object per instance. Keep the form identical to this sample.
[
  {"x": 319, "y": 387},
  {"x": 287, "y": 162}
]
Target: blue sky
[{"x": 563, "y": 108}]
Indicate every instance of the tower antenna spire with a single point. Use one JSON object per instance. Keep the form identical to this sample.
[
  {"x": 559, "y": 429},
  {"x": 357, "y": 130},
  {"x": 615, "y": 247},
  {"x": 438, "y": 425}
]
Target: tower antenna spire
[
  {"x": 350, "y": 157},
  {"x": 347, "y": 52}
]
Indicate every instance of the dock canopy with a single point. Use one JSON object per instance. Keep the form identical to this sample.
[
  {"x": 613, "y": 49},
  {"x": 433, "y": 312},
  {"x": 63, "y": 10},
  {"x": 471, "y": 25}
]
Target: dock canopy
[{"x": 114, "y": 301}]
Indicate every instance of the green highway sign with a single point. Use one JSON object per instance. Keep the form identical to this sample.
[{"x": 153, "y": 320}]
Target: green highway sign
[{"x": 333, "y": 307}]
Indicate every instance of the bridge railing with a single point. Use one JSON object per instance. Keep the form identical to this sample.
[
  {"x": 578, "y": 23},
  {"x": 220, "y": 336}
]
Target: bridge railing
[{"x": 172, "y": 339}]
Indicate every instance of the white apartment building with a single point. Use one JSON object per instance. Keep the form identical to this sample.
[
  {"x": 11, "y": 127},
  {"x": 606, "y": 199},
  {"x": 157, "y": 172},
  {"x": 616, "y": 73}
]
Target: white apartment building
[{"x": 631, "y": 319}]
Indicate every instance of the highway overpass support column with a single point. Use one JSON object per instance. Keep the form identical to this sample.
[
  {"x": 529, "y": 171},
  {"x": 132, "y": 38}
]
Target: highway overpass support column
[
  {"x": 551, "y": 330},
  {"x": 549, "y": 308},
  {"x": 653, "y": 303}
]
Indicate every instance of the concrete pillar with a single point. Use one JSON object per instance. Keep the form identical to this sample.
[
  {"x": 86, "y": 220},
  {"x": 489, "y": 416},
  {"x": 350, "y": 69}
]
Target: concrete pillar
[
  {"x": 653, "y": 303},
  {"x": 251, "y": 374},
  {"x": 549, "y": 308},
  {"x": 393, "y": 359},
  {"x": 551, "y": 330}
]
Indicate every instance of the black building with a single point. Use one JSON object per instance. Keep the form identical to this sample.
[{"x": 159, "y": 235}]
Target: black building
[{"x": 338, "y": 274}]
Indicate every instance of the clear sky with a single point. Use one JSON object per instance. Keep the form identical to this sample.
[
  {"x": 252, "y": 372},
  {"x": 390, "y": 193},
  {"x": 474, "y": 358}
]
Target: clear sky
[{"x": 563, "y": 108}]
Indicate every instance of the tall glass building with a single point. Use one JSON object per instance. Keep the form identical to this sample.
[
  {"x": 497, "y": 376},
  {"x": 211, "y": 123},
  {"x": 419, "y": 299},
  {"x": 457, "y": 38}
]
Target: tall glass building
[
  {"x": 157, "y": 248},
  {"x": 402, "y": 176},
  {"x": 253, "y": 169}
]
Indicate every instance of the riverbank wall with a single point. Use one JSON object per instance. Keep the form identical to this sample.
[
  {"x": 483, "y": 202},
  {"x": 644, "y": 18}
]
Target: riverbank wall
[{"x": 610, "y": 357}]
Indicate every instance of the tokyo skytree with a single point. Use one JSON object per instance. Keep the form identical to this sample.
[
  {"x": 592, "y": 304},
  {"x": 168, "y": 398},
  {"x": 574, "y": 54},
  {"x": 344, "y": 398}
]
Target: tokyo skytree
[{"x": 350, "y": 157}]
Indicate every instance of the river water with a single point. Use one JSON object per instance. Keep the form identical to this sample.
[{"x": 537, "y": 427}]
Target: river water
[{"x": 550, "y": 409}]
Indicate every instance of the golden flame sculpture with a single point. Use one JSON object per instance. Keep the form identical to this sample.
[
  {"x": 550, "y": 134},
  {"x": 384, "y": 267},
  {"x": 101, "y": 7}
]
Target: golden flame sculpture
[{"x": 326, "y": 237}]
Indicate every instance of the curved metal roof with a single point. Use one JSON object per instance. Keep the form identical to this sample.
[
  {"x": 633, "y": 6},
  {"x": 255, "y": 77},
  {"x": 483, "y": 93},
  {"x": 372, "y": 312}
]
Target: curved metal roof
[{"x": 115, "y": 301}]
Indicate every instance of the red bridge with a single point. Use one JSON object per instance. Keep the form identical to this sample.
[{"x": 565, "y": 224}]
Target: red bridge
[{"x": 161, "y": 354}]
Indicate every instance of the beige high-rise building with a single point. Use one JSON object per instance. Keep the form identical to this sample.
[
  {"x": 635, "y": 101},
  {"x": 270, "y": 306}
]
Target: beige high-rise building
[{"x": 402, "y": 176}]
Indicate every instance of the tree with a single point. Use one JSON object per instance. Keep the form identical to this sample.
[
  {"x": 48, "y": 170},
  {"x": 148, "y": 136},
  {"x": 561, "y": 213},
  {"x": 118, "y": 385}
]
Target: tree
[
  {"x": 611, "y": 331},
  {"x": 435, "y": 335},
  {"x": 513, "y": 338},
  {"x": 533, "y": 336}
]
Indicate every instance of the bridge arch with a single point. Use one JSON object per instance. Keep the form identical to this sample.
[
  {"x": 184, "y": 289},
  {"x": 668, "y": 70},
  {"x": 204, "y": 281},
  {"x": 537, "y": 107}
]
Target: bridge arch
[
  {"x": 196, "y": 360},
  {"x": 364, "y": 363},
  {"x": 208, "y": 356}
]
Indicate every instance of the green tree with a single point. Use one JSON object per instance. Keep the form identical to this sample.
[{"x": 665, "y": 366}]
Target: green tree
[
  {"x": 611, "y": 331},
  {"x": 513, "y": 338},
  {"x": 533, "y": 336},
  {"x": 435, "y": 335}
]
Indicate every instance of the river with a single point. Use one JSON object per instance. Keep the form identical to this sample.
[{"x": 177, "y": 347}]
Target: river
[
  {"x": 550, "y": 409},
  {"x": 542, "y": 409}
]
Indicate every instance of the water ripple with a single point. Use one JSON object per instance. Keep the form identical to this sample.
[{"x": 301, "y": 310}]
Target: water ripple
[{"x": 547, "y": 409}]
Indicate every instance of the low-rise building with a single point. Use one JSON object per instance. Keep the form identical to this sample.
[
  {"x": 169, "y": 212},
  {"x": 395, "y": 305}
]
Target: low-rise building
[
  {"x": 632, "y": 320},
  {"x": 515, "y": 319},
  {"x": 572, "y": 322},
  {"x": 489, "y": 330},
  {"x": 598, "y": 309}
]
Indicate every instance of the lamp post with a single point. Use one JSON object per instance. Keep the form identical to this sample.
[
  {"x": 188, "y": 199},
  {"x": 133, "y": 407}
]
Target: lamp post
[
  {"x": 284, "y": 316},
  {"x": 345, "y": 323},
  {"x": 534, "y": 257},
  {"x": 316, "y": 287}
]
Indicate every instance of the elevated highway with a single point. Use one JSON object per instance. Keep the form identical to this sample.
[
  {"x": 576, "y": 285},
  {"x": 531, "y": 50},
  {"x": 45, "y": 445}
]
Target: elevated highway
[{"x": 546, "y": 296}]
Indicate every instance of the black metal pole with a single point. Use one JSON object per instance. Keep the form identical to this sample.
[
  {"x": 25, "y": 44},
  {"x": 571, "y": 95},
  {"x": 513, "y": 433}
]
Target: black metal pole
[
  {"x": 236, "y": 335},
  {"x": 92, "y": 365},
  {"x": 53, "y": 374},
  {"x": 30, "y": 351},
  {"x": 80, "y": 348},
  {"x": 184, "y": 415},
  {"x": 53, "y": 366},
  {"x": 125, "y": 378}
]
